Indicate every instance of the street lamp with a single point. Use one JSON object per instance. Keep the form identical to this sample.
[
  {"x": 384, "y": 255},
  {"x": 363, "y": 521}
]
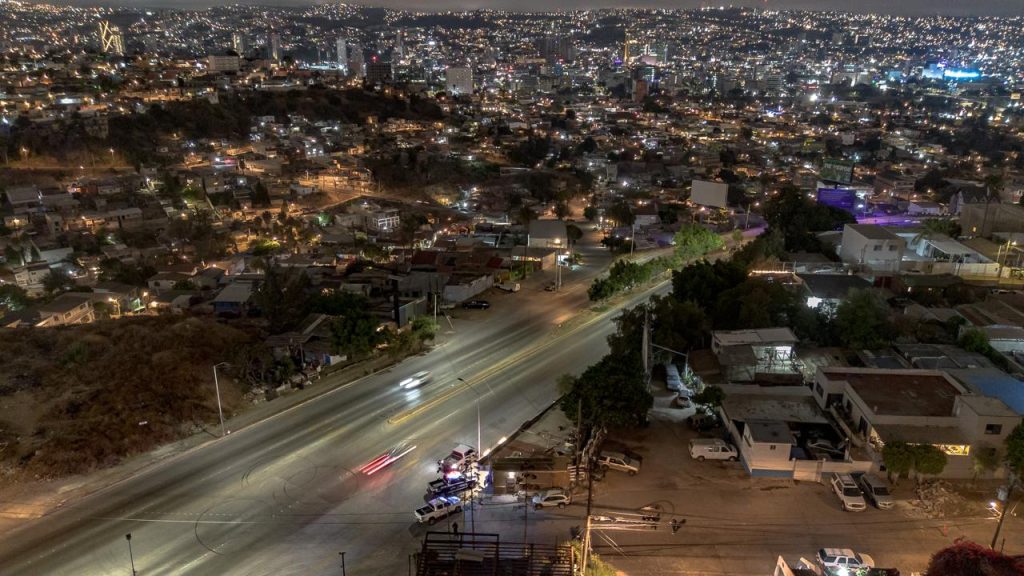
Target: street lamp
[
  {"x": 216, "y": 385},
  {"x": 131, "y": 558}
]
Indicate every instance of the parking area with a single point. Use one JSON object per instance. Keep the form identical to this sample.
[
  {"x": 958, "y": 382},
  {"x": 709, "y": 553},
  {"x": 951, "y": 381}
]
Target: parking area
[{"x": 734, "y": 524}]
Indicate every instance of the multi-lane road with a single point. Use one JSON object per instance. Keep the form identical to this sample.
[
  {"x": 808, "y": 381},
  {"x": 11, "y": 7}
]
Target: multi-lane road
[{"x": 285, "y": 496}]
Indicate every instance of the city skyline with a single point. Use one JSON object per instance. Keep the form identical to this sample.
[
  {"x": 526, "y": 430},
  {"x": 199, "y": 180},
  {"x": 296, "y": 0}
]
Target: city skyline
[{"x": 991, "y": 8}]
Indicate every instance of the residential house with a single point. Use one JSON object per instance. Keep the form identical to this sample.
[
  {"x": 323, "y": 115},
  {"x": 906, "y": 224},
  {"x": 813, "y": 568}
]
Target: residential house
[
  {"x": 877, "y": 406},
  {"x": 780, "y": 431},
  {"x": 65, "y": 310},
  {"x": 234, "y": 299},
  {"x": 383, "y": 221},
  {"x": 872, "y": 247},
  {"x": 310, "y": 341},
  {"x": 164, "y": 281},
  {"x": 30, "y": 276}
]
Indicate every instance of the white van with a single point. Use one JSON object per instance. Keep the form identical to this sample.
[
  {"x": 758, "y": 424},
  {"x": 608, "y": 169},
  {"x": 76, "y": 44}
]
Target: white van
[{"x": 712, "y": 449}]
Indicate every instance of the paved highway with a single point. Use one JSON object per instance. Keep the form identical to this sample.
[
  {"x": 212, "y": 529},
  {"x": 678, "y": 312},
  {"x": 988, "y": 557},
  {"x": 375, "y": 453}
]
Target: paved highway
[{"x": 285, "y": 496}]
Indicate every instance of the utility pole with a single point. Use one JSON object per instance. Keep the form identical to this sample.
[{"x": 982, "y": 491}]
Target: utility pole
[
  {"x": 1006, "y": 504},
  {"x": 220, "y": 410},
  {"x": 342, "y": 554}
]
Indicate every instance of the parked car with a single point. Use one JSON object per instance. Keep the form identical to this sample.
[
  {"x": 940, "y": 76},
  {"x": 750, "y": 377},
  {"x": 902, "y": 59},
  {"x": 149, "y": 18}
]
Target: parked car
[
  {"x": 875, "y": 490},
  {"x": 712, "y": 449},
  {"x": 848, "y": 492},
  {"x": 618, "y": 461},
  {"x": 459, "y": 460},
  {"x": 682, "y": 401},
  {"x": 476, "y": 304},
  {"x": 843, "y": 558},
  {"x": 509, "y": 286},
  {"x": 551, "y": 498},
  {"x": 437, "y": 509}
]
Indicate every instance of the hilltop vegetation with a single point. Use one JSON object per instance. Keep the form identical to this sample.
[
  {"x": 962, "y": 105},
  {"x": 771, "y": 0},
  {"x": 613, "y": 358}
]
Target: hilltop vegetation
[{"x": 85, "y": 397}]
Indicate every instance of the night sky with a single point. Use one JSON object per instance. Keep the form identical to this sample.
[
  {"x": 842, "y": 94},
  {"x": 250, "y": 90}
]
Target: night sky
[{"x": 901, "y": 7}]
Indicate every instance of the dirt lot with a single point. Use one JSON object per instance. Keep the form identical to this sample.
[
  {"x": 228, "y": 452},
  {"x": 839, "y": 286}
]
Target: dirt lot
[{"x": 738, "y": 525}]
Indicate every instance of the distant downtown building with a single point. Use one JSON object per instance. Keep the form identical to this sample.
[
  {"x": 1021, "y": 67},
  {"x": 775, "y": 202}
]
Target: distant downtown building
[
  {"x": 111, "y": 40},
  {"x": 378, "y": 72},
  {"x": 342, "y": 49},
  {"x": 274, "y": 46},
  {"x": 239, "y": 43},
  {"x": 458, "y": 80},
  {"x": 355, "y": 61}
]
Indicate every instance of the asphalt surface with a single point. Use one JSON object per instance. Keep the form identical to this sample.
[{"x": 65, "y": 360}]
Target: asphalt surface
[{"x": 286, "y": 496}]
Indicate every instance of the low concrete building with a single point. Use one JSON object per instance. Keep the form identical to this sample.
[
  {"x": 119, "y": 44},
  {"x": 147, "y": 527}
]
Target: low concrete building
[
  {"x": 872, "y": 247},
  {"x": 876, "y": 406},
  {"x": 66, "y": 310}
]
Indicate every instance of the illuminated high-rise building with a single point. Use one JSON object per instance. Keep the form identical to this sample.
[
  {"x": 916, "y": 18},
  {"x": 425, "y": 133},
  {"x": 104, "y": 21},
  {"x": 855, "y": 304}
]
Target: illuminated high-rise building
[
  {"x": 111, "y": 40},
  {"x": 342, "y": 49},
  {"x": 239, "y": 43},
  {"x": 274, "y": 46},
  {"x": 356, "y": 64}
]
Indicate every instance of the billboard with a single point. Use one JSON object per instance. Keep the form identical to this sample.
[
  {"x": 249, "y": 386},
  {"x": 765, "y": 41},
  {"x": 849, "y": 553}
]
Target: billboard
[
  {"x": 709, "y": 193},
  {"x": 841, "y": 198},
  {"x": 835, "y": 170}
]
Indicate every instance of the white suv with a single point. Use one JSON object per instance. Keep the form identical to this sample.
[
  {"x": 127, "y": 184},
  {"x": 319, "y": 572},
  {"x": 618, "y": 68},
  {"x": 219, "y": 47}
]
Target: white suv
[
  {"x": 848, "y": 492},
  {"x": 552, "y": 498},
  {"x": 618, "y": 461}
]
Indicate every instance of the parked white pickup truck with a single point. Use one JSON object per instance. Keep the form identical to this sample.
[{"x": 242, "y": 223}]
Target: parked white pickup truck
[{"x": 438, "y": 508}]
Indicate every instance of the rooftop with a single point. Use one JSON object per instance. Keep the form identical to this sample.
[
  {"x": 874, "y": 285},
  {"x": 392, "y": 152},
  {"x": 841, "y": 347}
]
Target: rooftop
[
  {"x": 762, "y": 336},
  {"x": 780, "y": 404},
  {"x": 770, "y": 431},
  {"x": 872, "y": 232},
  {"x": 900, "y": 392}
]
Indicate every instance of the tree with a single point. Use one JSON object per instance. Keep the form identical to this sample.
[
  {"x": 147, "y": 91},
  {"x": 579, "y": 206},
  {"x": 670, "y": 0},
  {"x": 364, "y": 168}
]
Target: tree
[
  {"x": 984, "y": 459},
  {"x": 13, "y": 255},
  {"x": 1015, "y": 450},
  {"x": 712, "y": 396},
  {"x": 680, "y": 326},
  {"x": 424, "y": 328},
  {"x": 797, "y": 218},
  {"x": 183, "y": 285},
  {"x": 898, "y": 458},
  {"x": 356, "y": 333},
  {"x": 611, "y": 393},
  {"x": 862, "y": 320},
  {"x": 590, "y": 212},
  {"x": 282, "y": 298},
  {"x": 57, "y": 280},
  {"x": 693, "y": 241},
  {"x": 526, "y": 215},
  {"x": 13, "y": 297},
  {"x": 928, "y": 460},
  {"x": 573, "y": 233},
  {"x": 702, "y": 282},
  {"x": 562, "y": 210},
  {"x": 974, "y": 340},
  {"x": 966, "y": 558},
  {"x": 621, "y": 214}
]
